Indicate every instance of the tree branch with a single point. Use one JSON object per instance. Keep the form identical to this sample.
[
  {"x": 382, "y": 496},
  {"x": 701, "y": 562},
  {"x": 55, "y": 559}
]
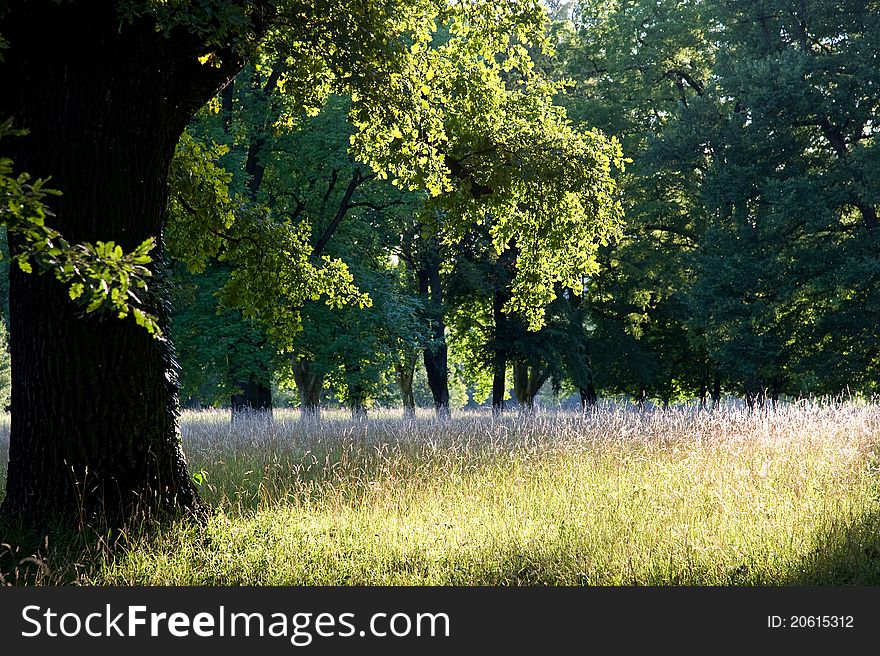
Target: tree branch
[{"x": 356, "y": 179}]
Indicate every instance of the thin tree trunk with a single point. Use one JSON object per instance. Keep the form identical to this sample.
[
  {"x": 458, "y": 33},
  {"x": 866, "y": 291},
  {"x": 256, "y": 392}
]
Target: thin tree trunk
[
  {"x": 838, "y": 142},
  {"x": 250, "y": 372},
  {"x": 501, "y": 338},
  {"x": 358, "y": 409},
  {"x": 227, "y": 99},
  {"x": 436, "y": 353},
  {"x": 869, "y": 215},
  {"x": 499, "y": 358},
  {"x": 255, "y": 398},
  {"x": 521, "y": 381},
  {"x": 755, "y": 396},
  {"x": 357, "y": 394},
  {"x": 527, "y": 382},
  {"x": 405, "y": 374},
  {"x": 537, "y": 378},
  {"x": 499, "y": 384},
  {"x": 94, "y": 434},
  {"x": 589, "y": 398}
]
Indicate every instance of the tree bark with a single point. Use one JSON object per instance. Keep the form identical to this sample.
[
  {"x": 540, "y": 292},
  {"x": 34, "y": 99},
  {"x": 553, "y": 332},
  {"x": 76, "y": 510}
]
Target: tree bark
[
  {"x": 249, "y": 371},
  {"x": 499, "y": 383},
  {"x": 502, "y": 338},
  {"x": 521, "y": 381},
  {"x": 527, "y": 382},
  {"x": 254, "y": 399},
  {"x": 357, "y": 393},
  {"x": 94, "y": 434},
  {"x": 869, "y": 216},
  {"x": 589, "y": 397},
  {"x": 256, "y": 395},
  {"x": 716, "y": 390},
  {"x": 405, "y": 374},
  {"x": 309, "y": 384},
  {"x": 755, "y": 395},
  {"x": 436, "y": 353},
  {"x": 499, "y": 356},
  {"x": 836, "y": 137}
]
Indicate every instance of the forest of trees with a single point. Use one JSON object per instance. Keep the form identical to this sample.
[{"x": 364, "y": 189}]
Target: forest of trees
[
  {"x": 745, "y": 265},
  {"x": 428, "y": 203}
]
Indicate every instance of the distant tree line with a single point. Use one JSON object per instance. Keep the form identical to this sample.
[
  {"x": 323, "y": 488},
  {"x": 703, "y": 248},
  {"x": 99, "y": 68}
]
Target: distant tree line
[
  {"x": 748, "y": 264},
  {"x": 750, "y": 260}
]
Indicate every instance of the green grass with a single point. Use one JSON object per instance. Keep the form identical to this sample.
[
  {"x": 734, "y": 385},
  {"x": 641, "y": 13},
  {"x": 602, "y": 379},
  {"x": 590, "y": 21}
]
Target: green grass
[{"x": 617, "y": 498}]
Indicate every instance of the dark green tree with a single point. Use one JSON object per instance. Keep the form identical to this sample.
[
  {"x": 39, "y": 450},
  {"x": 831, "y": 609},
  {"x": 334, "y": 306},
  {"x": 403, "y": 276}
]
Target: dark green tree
[
  {"x": 640, "y": 70},
  {"x": 790, "y": 254}
]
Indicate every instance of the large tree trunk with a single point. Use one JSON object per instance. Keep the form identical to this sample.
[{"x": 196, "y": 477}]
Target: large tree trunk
[
  {"x": 309, "y": 384},
  {"x": 436, "y": 353},
  {"x": 94, "y": 432}
]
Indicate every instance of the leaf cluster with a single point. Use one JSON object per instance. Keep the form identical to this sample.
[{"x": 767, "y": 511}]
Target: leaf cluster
[{"x": 100, "y": 276}]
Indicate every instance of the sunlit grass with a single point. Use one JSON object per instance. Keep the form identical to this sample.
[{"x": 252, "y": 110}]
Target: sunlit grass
[{"x": 616, "y": 497}]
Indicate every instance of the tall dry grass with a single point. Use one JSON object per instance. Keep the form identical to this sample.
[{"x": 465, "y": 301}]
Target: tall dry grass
[{"x": 617, "y": 496}]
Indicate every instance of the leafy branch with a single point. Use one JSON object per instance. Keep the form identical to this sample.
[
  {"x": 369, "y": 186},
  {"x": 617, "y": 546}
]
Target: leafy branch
[{"x": 100, "y": 276}]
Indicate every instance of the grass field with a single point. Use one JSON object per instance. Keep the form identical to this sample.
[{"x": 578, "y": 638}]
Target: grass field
[{"x": 618, "y": 497}]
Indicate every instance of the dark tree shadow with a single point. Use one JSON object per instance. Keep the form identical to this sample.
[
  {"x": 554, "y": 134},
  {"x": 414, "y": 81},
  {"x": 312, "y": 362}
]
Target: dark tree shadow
[{"x": 845, "y": 555}]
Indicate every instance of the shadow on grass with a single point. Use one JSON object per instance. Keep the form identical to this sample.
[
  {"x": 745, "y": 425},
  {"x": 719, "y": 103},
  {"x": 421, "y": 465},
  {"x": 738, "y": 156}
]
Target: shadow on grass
[
  {"x": 62, "y": 554},
  {"x": 845, "y": 555},
  {"x": 51, "y": 557}
]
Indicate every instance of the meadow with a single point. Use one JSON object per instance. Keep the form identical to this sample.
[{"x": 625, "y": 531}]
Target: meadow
[{"x": 789, "y": 496}]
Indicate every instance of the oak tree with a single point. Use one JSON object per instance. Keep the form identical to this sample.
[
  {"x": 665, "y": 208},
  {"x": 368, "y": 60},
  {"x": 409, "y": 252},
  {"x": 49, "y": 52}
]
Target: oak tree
[{"x": 105, "y": 90}]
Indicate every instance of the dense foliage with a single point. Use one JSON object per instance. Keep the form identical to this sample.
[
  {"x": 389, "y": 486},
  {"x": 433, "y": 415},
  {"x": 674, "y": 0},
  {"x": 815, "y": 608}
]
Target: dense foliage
[
  {"x": 303, "y": 218},
  {"x": 746, "y": 261},
  {"x": 749, "y": 261}
]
